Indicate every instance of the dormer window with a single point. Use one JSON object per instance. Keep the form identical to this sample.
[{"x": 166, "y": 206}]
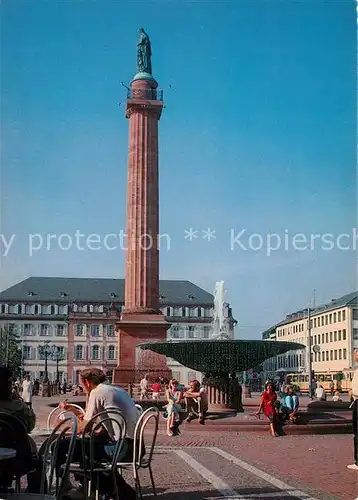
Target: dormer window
[
  {"x": 162, "y": 297},
  {"x": 31, "y": 294},
  {"x": 112, "y": 295},
  {"x": 63, "y": 295},
  {"x": 191, "y": 297}
]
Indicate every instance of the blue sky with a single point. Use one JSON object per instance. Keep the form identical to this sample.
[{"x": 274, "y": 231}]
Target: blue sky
[{"x": 258, "y": 134}]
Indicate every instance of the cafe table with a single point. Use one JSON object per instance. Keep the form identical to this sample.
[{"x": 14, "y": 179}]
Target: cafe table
[{"x": 7, "y": 453}]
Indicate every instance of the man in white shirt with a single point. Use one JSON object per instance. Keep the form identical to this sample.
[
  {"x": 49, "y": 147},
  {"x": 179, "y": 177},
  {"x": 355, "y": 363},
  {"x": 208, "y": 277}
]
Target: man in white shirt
[
  {"x": 144, "y": 388},
  {"x": 101, "y": 397},
  {"x": 196, "y": 402},
  {"x": 354, "y": 406}
]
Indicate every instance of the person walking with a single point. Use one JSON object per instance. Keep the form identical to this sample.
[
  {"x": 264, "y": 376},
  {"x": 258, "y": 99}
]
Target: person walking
[
  {"x": 354, "y": 406},
  {"x": 27, "y": 390},
  {"x": 144, "y": 388}
]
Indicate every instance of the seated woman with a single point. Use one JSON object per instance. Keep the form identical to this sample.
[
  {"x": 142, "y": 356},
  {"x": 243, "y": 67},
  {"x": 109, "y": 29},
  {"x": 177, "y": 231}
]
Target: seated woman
[
  {"x": 173, "y": 408},
  {"x": 290, "y": 405},
  {"x": 270, "y": 408}
]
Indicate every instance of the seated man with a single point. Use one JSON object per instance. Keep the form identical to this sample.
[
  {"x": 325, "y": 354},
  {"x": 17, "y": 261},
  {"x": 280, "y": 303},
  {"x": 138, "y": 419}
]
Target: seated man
[
  {"x": 196, "y": 402},
  {"x": 290, "y": 404},
  {"x": 100, "y": 397},
  {"x": 26, "y": 452}
]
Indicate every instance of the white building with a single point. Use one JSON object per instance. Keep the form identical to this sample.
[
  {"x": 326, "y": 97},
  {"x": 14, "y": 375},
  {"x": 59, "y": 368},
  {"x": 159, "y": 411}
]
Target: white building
[
  {"x": 77, "y": 315},
  {"x": 334, "y": 335}
]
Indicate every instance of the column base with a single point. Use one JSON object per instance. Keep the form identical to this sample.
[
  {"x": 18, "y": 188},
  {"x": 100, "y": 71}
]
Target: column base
[
  {"x": 224, "y": 394},
  {"x": 134, "y": 364}
]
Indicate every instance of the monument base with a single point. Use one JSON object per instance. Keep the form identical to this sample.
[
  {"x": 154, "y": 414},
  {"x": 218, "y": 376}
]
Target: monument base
[{"x": 133, "y": 363}]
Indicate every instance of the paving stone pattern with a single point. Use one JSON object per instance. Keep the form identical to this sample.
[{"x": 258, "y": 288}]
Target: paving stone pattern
[{"x": 190, "y": 467}]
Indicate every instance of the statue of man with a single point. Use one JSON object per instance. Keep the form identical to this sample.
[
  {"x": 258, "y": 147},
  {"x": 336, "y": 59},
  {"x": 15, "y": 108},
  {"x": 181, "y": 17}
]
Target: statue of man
[{"x": 144, "y": 53}]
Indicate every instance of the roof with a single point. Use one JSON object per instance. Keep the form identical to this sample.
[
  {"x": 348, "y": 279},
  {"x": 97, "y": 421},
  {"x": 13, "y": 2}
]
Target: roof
[
  {"x": 100, "y": 290},
  {"x": 349, "y": 299}
]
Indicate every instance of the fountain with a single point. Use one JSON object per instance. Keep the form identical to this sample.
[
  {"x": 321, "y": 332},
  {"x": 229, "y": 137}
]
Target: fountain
[
  {"x": 223, "y": 323},
  {"x": 220, "y": 360}
]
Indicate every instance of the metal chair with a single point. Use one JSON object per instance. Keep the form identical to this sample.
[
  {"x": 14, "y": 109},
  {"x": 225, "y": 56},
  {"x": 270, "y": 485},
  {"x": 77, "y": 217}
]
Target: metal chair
[
  {"x": 111, "y": 419},
  {"x": 60, "y": 411},
  {"x": 50, "y": 458},
  {"x": 142, "y": 455},
  {"x": 139, "y": 408}
]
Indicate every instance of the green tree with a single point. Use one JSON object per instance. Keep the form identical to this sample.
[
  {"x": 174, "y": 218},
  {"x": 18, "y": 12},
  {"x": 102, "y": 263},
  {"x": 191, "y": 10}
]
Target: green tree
[{"x": 10, "y": 350}]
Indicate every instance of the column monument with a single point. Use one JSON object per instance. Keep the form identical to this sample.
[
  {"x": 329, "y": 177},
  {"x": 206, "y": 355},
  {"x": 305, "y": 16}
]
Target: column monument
[{"x": 141, "y": 319}]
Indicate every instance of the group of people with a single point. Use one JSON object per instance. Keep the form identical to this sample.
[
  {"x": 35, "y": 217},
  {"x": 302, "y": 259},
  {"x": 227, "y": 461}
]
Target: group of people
[
  {"x": 195, "y": 400},
  {"x": 277, "y": 411},
  {"x": 191, "y": 400}
]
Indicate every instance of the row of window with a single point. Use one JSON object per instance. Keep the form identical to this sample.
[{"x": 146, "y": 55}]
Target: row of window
[
  {"x": 54, "y": 309},
  {"x": 29, "y": 329},
  {"x": 47, "y": 310},
  {"x": 94, "y": 352},
  {"x": 317, "y": 322},
  {"x": 330, "y": 318},
  {"x": 30, "y": 352},
  {"x": 336, "y": 354},
  {"x": 190, "y": 332},
  {"x": 335, "y": 336},
  {"x": 290, "y": 361},
  {"x": 94, "y": 330}
]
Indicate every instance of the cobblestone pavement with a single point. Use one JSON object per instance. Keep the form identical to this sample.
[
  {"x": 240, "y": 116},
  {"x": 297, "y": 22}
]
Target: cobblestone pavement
[{"x": 204, "y": 464}]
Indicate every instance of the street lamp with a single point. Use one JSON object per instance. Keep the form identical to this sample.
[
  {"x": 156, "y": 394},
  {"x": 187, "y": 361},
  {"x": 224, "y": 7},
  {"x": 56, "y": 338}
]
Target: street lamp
[
  {"x": 57, "y": 356},
  {"x": 45, "y": 351}
]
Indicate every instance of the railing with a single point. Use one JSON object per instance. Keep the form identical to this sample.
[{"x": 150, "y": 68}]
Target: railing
[{"x": 148, "y": 94}]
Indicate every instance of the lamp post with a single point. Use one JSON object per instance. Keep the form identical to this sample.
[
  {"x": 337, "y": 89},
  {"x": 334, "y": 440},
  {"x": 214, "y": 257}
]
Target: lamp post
[
  {"x": 45, "y": 351},
  {"x": 57, "y": 356}
]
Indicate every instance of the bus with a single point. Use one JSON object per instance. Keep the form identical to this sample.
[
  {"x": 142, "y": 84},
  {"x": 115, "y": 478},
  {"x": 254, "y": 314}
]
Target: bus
[{"x": 342, "y": 380}]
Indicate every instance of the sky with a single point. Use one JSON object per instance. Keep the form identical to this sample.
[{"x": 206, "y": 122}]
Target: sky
[{"x": 257, "y": 143}]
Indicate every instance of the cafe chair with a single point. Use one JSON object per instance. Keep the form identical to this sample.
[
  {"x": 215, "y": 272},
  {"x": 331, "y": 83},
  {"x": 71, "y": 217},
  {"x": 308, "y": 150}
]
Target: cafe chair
[{"x": 143, "y": 452}]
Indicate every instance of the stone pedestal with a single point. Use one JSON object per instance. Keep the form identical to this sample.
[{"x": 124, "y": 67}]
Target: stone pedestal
[
  {"x": 134, "y": 329},
  {"x": 224, "y": 394}
]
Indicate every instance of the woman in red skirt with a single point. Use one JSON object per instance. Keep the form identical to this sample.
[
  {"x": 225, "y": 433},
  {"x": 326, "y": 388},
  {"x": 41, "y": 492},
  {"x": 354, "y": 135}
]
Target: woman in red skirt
[{"x": 269, "y": 406}]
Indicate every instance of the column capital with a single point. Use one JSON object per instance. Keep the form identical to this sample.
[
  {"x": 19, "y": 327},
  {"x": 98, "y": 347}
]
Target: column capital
[{"x": 144, "y": 106}]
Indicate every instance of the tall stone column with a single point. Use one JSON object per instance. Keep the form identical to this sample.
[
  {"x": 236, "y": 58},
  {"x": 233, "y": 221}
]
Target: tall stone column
[
  {"x": 141, "y": 320},
  {"x": 142, "y": 260}
]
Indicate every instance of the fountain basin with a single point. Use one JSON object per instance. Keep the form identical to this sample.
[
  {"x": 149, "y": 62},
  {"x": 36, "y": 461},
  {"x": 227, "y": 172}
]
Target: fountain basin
[{"x": 218, "y": 359}]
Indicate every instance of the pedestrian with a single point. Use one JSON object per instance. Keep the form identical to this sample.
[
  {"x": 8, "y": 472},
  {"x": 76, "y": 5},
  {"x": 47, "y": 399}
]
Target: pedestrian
[
  {"x": 156, "y": 390},
  {"x": 354, "y": 406},
  {"x": 331, "y": 387},
  {"x": 144, "y": 388},
  {"x": 27, "y": 390}
]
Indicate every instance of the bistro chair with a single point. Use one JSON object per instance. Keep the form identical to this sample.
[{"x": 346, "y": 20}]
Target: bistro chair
[
  {"x": 50, "y": 459},
  {"x": 139, "y": 408},
  {"x": 90, "y": 469},
  {"x": 143, "y": 453},
  {"x": 59, "y": 412}
]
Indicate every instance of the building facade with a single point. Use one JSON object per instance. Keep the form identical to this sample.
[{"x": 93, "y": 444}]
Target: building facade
[
  {"x": 333, "y": 332},
  {"x": 78, "y": 316}
]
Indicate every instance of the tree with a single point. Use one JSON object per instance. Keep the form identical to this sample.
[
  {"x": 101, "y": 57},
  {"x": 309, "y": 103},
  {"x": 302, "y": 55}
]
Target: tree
[{"x": 10, "y": 350}]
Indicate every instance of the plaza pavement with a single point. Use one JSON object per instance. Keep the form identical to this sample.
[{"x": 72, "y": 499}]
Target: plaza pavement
[{"x": 205, "y": 464}]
